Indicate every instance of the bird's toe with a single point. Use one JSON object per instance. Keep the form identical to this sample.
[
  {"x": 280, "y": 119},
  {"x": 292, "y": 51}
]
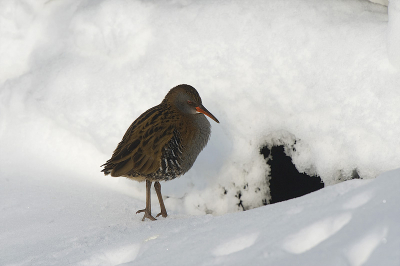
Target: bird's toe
[
  {"x": 163, "y": 214},
  {"x": 146, "y": 215}
]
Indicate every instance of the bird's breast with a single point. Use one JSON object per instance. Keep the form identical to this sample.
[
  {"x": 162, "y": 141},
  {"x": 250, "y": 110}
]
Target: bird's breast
[
  {"x": 199, "y": 134},
  {"x": 180, "y": 153}
]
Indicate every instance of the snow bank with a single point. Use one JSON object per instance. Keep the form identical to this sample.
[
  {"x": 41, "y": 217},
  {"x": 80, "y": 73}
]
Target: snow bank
[{"x": 311, "y": 75}]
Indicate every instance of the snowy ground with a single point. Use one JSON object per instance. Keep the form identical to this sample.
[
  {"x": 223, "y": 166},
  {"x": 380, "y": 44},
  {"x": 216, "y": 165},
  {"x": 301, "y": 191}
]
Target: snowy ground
[
  {"x": 67, "y": 223},
  {"x": 312, "y": 75}
]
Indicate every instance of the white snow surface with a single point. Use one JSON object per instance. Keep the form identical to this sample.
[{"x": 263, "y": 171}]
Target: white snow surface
[
  {"x": 315, "y": 76},
  {"x": 394, "y": 32},
  {"x": 66, "y": 222}
]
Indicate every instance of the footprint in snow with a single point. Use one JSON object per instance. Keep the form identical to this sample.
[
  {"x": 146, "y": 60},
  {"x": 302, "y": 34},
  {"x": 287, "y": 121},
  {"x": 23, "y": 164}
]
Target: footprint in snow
[
  {"x": 236, "y": 244},
  {"x": 315, "y": 233}
]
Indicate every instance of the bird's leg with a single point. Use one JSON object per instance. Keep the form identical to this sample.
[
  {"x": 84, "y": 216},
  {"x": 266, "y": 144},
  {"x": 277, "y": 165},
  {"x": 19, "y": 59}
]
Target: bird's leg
[
  {"x": 147, "y": 211},
  {"x": 163, "y": 212}
]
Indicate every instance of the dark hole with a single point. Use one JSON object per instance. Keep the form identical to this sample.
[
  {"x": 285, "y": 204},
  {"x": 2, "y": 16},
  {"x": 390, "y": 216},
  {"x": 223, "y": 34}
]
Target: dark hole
[{"x": 286, "y": 182}]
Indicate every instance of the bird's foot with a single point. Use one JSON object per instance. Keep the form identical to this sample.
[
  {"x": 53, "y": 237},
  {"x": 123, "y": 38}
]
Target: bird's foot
[
  {"x": 147, "y": 214},
  {"x": 164, "y": 214}
]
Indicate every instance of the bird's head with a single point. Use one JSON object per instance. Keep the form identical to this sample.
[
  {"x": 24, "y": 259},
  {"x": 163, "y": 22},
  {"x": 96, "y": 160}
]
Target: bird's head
[{"x": 187, "y": 100}]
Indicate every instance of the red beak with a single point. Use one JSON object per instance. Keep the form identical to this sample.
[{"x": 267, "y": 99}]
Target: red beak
[{"x": 203, "y": 110}]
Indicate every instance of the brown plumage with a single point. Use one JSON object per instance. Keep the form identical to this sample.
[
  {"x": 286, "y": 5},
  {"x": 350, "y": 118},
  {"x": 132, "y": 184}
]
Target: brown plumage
[{"x": 163, "y": 142}]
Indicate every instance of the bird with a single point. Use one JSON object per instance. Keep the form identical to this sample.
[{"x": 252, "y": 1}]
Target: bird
[{"x": 162, "y": 143}]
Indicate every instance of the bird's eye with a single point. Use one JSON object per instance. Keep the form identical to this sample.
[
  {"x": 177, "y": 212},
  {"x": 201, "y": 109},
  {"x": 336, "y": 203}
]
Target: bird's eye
[{"x": 190, "y": 102}]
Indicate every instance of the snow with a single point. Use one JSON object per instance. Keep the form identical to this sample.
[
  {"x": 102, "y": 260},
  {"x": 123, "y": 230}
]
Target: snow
[
  {"x": 381, "y": 2},
  {"x": 319, "y": 78},
  {"x": 65, "y": 222},
  {"x": 394, "y": 32}
]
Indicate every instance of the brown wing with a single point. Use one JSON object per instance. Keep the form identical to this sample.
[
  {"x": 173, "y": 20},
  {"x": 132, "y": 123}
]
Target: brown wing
[{"x": 140, "y": 150}]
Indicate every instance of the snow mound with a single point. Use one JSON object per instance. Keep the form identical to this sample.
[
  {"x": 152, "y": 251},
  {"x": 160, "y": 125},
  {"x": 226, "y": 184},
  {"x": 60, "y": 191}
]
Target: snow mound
[{"x": 308, "y": 76}]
